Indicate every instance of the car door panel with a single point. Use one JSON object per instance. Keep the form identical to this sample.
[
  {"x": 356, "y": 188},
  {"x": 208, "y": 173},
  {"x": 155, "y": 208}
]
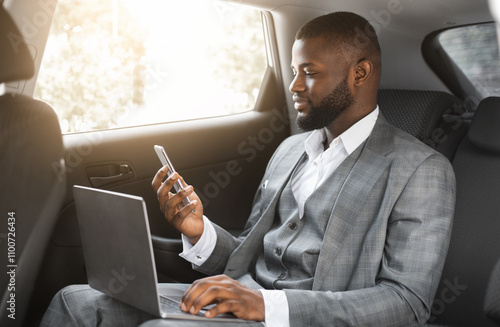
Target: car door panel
[{"x": 223, "y": 158}]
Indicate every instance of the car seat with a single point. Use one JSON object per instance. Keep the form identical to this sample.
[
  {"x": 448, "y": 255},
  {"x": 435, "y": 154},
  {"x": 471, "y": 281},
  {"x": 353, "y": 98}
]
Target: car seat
[
  {"x": 434, "y": 117},
  {"x": 475, "y": 244},
  {"x": 31, "y": 188}
]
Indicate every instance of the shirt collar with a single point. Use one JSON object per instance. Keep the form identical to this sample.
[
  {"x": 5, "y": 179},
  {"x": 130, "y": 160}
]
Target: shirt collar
[
  {"x": 314, "y": 143},
  {"x": 351, "y": 138},
  {"x": 359, "y": 132}
]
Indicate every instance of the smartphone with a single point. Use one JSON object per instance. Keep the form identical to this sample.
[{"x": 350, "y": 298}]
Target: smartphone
[{"x": 162, "y": 155}]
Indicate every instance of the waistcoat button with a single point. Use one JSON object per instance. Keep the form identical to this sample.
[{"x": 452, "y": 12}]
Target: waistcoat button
[{"x": 282, "y": 276}]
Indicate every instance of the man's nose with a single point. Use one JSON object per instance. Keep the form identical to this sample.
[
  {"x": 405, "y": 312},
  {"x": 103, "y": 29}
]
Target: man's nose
[{"x": 297, "y": 84}]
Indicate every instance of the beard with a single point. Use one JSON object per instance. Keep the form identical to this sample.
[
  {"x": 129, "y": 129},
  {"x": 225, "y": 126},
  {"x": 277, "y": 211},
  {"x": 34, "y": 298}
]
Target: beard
[{"x": 329, "y": 108}]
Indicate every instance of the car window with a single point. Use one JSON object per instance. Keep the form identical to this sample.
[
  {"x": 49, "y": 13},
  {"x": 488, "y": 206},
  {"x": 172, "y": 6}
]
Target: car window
[
  {"x": 118, "y": 63},
  {"x": 474, "y": 49}
]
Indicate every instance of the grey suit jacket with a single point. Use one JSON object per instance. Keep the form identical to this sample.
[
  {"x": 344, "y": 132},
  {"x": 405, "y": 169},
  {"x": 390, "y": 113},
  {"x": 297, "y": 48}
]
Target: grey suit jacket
[{"x": 386, "y": 240}]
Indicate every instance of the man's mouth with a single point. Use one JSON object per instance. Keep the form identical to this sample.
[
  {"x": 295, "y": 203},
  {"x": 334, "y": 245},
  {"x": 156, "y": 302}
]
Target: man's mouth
[{"x": 300, "y": 103}]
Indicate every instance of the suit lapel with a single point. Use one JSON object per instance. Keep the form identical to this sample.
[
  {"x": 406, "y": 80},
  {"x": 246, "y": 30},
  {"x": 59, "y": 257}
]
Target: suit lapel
[
  {"x": 367, "y": 169},
  {"x": 280, "y": 174}
]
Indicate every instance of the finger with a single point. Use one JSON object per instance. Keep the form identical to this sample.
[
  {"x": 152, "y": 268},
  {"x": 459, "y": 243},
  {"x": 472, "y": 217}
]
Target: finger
[
  {"x": 208, "y": 293},
  {"x": 171, "y": 208},
  {"x": 163, "y": 191},
  {"x": 178, "y": 218},
  {"x": 189, "y": 208},
  {"x": 166, "y": 185},
  {"x": 224, "y": 307},
  {"x": 213, "y": 295},
  {"x": 184, "y": 184},
  {"x": 170, "y": 181},
  {"x": 158, "y": 178},
  {"x": 204, "y": 282},
  {"x": 195, "y": 290},
  {"x": 176, "y": 199},
  {"x": 163, "y": 194}
]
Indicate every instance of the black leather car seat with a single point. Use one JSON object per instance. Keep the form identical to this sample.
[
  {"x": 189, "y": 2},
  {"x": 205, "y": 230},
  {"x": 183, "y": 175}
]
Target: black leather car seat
[
  {"x": 31, "y": 189},
  {"x": 475, "y": 242}
]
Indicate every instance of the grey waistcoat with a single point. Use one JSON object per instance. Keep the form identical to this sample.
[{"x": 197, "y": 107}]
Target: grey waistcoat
[{"x": 291, "y": 247}]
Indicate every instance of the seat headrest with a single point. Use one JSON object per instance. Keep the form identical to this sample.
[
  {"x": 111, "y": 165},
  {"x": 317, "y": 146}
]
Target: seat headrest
[
  {"x": 417, "y": 112},
  {"x": 15, "y": 59},
  {"x": 484, "y": 131}
]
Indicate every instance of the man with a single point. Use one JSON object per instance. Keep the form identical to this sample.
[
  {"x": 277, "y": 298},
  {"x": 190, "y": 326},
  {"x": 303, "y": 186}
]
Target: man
[{"x": 351, "y": 224}]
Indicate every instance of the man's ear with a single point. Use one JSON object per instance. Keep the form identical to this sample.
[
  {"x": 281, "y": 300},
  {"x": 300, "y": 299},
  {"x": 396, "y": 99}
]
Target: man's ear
[{"x": 362, "y": 71}]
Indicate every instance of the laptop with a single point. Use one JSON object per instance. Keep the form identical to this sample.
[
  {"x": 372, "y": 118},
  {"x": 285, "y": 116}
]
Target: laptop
[{"x": 118, "y": 252}]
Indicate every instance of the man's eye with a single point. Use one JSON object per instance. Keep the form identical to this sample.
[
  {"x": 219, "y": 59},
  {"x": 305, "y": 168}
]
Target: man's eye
[{"x": 310, "y": 74}]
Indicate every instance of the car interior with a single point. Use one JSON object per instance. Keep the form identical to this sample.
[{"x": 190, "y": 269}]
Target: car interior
[{"x": 68, "y": 119}]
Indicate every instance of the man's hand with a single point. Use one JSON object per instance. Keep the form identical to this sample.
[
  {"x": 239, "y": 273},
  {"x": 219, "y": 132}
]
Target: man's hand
[
  {"x": 227, "y": 294},
  {"x": 189, "y": 219}
]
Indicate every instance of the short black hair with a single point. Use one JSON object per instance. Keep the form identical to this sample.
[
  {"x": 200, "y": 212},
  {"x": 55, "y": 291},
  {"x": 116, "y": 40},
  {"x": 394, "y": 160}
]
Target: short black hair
[{"x": 348, "y": 34}]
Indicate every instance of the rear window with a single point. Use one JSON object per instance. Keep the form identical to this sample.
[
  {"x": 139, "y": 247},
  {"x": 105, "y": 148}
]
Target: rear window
[
  {"x": 117, "y": 63},
  {"x": 474, "y": 49}
]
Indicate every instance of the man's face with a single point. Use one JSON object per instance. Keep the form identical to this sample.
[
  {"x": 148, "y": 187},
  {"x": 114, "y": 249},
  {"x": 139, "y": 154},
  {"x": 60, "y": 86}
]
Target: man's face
[{"x": 320, "y": 87}]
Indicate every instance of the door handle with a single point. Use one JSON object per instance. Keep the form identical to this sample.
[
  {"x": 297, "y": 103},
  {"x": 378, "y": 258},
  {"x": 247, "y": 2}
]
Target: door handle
[{"x": 102, "y": 175}]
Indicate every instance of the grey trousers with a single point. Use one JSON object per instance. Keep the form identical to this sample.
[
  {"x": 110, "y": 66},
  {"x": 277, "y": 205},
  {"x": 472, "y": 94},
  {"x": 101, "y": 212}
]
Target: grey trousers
[{"x": 80, "y": 305}]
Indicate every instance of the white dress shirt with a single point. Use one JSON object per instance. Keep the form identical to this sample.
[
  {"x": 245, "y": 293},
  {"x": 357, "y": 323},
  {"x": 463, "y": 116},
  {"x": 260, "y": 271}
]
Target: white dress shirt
[{"x": 309, "y": 175}]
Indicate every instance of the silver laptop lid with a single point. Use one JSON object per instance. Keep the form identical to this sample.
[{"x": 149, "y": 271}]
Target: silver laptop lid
[{"x": 117, "y": 246}]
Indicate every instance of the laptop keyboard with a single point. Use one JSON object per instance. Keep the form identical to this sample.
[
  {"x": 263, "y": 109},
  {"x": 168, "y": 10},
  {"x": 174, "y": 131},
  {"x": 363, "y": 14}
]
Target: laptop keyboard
[
  {"x": 173, "y": 307},
  {"x": 169, "y": 305}
]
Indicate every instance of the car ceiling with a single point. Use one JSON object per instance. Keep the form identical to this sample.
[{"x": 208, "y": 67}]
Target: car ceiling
[{"x": 418, "y": 16}]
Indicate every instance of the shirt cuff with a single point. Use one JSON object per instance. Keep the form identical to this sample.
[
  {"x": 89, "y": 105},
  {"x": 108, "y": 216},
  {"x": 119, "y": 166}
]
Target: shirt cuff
[
  {"x": 197, "y": 254},
  {"x": 276, "y": 308}
]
